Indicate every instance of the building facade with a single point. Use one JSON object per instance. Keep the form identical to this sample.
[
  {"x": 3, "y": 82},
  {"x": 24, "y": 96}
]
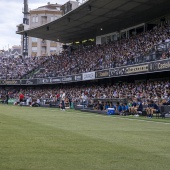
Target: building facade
[
  {"x": 38, "y": 17},
  {"x": 13, "y": 52}
]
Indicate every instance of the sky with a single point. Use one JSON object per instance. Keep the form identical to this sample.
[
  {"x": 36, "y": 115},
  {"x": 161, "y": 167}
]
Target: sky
[{"x": 11, "y": 16}]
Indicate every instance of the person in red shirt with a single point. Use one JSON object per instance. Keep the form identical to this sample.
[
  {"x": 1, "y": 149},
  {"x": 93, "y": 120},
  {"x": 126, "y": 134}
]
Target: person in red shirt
[
  {"x": 21, "y": 97},
  {"x": 58, "y": 96}
]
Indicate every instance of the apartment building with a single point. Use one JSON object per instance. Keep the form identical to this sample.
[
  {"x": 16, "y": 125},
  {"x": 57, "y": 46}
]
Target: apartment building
[{"x": 40, "y": 16}]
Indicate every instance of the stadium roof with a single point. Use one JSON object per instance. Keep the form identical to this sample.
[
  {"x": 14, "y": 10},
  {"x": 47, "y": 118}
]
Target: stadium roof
[{"x": 111, "y": 15}]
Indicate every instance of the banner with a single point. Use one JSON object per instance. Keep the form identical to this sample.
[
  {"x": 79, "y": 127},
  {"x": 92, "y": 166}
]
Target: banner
[
  {"x": 159, "y": 65},
  {"x": 12, "y": 82},
  {"x": 102, "y": 74},
  {"x": 138, "y": 69},
  {"x": 118, "y": 71},
  {"x": 129, "y": 70},
  {"x": 67, "y": 79},
  {"x": 44, "y": 81},
  {"x": 29, "y": 82},
  {"x": 89, "y": 76},
  {"x": 78, "y": 77},
  {"x": 55, "y": 80}
]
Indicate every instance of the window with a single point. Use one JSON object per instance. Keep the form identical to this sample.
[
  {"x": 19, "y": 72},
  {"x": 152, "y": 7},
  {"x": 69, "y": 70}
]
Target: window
[
  {"x": 34, "y": 39},
  {"x": 54, "y": 18},
  {"x": 34, "y": 49},
  {"x": 43, "y": 50},
  {"x": 43, "y": 19},
  {"x": 53, "y": 49},
  {"x": 58, "y": 8},
  {"x": 33, "y": 19},
  {"x": 103, "y": 40},
  {"x": 36, "y": 20},
  {"x": 108, "y": 39}
]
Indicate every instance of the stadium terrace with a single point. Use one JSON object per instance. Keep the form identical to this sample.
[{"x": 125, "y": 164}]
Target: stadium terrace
[{"x": 120, "y": 51}]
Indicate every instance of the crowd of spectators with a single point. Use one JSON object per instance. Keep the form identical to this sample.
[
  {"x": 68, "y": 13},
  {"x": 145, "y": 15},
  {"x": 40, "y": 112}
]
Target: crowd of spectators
[
  {"x": 158, "y": 91},
  {"x": 16, "y": 68},
  {"x": 143, "y": 47}
]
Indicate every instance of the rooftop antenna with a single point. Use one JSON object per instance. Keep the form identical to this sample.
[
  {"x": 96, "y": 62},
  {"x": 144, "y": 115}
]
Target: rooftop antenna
[{"x": 26, "y": 22}]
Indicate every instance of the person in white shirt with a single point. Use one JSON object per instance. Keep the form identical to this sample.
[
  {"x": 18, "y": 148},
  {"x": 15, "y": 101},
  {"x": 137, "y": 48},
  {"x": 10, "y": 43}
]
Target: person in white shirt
[{"x": 63, "y": 96}]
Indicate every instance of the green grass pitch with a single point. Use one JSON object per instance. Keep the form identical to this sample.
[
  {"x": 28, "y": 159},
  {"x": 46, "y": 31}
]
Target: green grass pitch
[{"x": 50, "y": 139}]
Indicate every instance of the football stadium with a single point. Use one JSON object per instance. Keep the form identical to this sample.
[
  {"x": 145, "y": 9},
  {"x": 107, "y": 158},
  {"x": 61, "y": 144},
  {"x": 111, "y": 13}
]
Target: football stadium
[{"x": 91, "y": 88}]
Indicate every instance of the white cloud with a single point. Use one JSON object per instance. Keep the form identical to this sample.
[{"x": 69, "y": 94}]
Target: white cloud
[{"x": 11, "y": 16}]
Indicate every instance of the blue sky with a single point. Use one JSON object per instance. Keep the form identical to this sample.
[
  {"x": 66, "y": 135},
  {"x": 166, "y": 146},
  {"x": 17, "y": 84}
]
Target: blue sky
[{"x": 11, "y": 16}]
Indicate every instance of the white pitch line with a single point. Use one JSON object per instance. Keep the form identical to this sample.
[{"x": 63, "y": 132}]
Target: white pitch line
[{"x": 149, "y": 121}]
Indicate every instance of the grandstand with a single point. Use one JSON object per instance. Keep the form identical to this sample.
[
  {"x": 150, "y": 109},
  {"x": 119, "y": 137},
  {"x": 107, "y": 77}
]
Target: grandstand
[{"x": 108, "y": 44}]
